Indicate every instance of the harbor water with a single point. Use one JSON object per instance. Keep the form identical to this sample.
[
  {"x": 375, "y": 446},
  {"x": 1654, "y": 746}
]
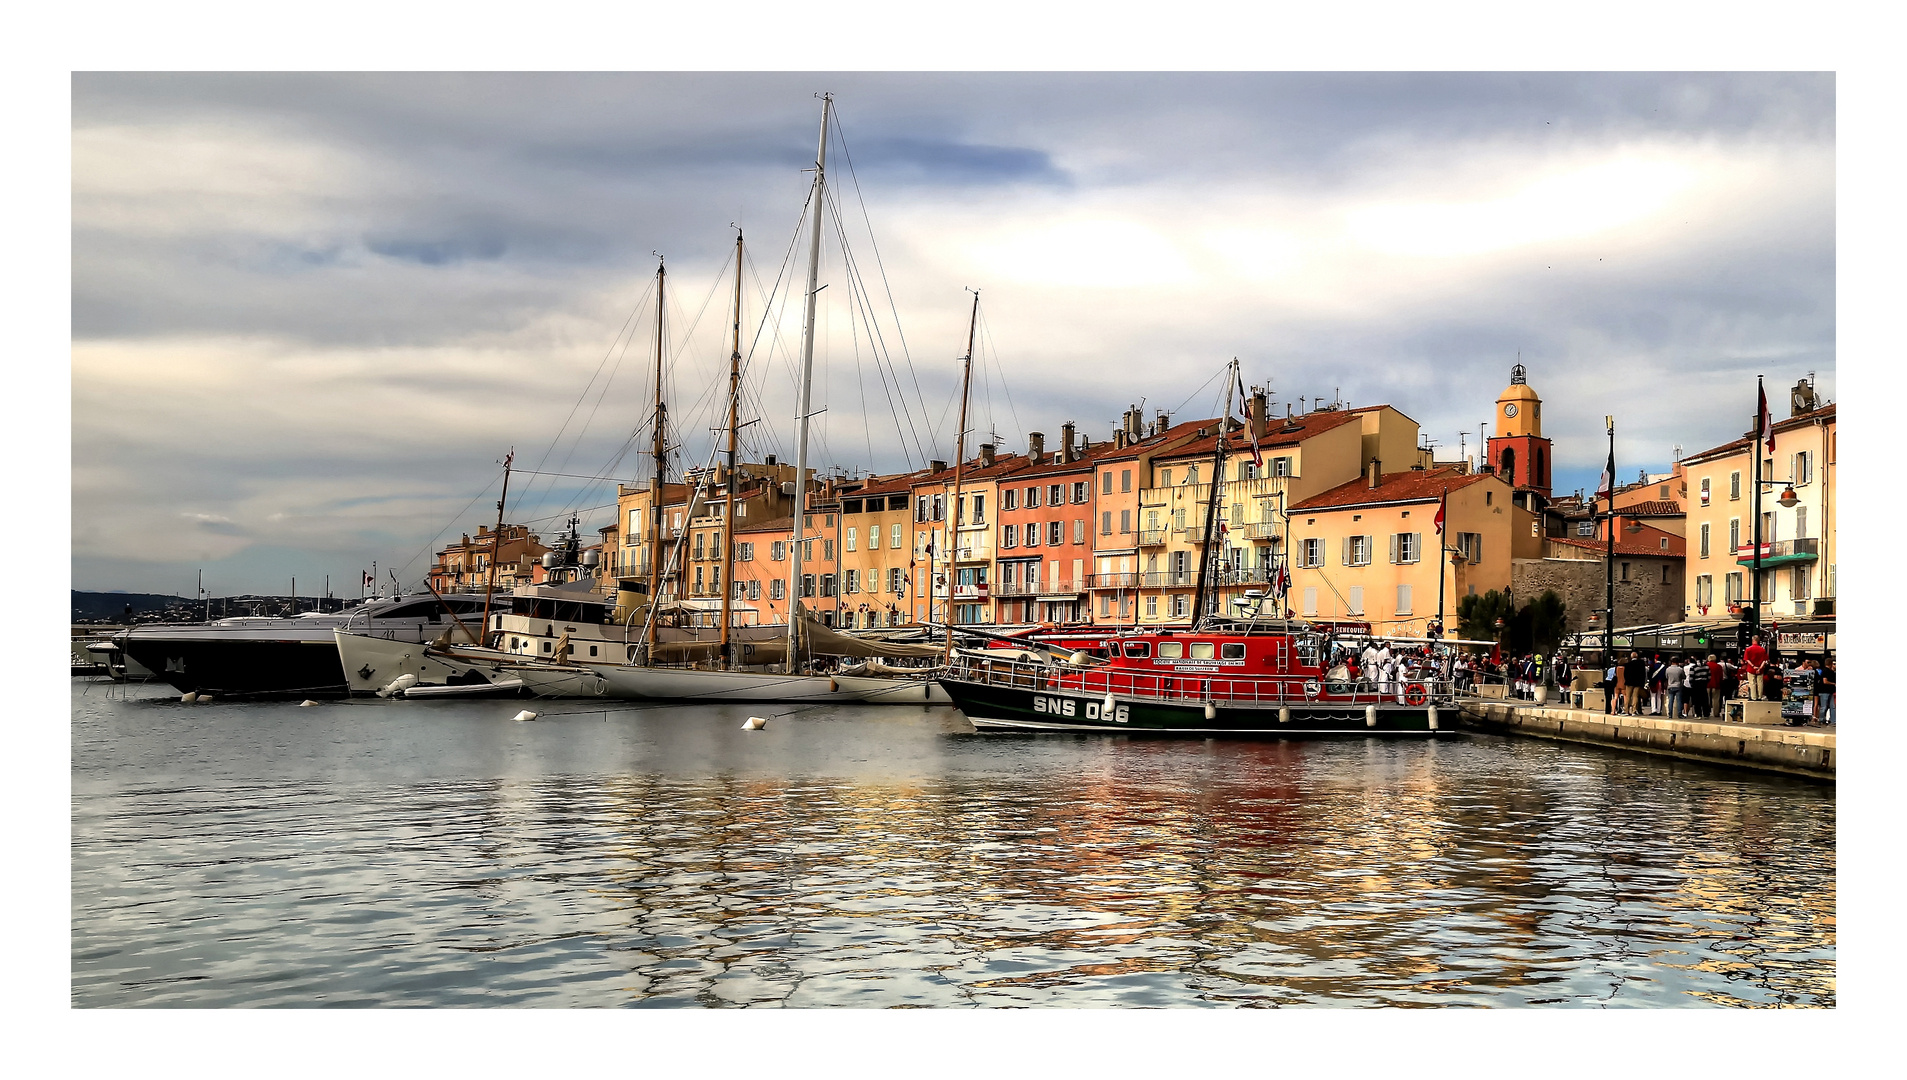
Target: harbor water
[{"x": 436, "y": 853}]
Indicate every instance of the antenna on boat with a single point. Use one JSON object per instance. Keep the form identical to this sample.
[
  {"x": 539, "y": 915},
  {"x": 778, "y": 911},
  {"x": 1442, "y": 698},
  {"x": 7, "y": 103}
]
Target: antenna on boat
[
  {"x": 661, "y": 453},
  {"x": 496, "y": 544}
]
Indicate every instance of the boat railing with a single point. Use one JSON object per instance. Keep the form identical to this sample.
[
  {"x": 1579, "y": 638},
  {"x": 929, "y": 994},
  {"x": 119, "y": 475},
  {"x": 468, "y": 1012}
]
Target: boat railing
[{"x": 1216, "y": 686}]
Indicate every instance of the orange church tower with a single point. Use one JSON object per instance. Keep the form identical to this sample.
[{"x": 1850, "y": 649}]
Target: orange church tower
[{"x": 1519, "y": 451}]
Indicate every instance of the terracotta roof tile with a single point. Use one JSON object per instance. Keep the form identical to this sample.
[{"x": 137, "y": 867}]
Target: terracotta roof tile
[
  {"x": 1414, "y": 485},
  {"x": 1600, "y": 546},
  {"x": 1302, "y": 428},
  {"x": 1652, "y": 508}
]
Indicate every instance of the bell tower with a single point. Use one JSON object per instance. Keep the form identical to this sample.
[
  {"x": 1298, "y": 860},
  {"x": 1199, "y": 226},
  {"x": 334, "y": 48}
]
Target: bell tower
[{"x": 1518, "y": 451}]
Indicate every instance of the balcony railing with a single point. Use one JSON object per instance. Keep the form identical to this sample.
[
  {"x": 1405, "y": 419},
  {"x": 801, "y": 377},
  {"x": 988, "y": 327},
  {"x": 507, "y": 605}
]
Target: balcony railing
[
  {"x": 1057, "y": 587},
  {"x": 1126, "y": 580},
  {"x": 1785, "y": 551},
  {"x": 1166, "y": 579},
  {"x": 1260, "y": 530},
  {"x": 1152, "y": 537}
]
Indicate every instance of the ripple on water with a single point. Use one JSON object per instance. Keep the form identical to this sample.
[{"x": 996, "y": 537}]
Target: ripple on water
[{"x": 434, "y": 854}]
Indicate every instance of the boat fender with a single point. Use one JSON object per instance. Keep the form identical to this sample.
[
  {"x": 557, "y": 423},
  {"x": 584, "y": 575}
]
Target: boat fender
[
  {"x": 1370, "y": 716},
  {"x": 524, "y": 715},
  {"x": 1108, "y": 707},
  {"x": 398, "y": 685},
  {"x": 833, "y": 687},
  {"x": 306, "y": 703},
  {"x": 1284, "y": 714},
  {"x": 1433, "y": 718},
  {"x": 755, "y": 723},
  {"x": 1211, "y": 711},
  {"x": 188, "y": 698},
  {"x": 204, "y": 697},
  {"x": 1078, "y": 659}
]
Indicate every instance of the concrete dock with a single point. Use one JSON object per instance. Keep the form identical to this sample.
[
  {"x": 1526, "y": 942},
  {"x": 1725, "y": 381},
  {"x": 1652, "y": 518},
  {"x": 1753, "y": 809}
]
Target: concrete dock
[{"x": 1801, "y": 751}]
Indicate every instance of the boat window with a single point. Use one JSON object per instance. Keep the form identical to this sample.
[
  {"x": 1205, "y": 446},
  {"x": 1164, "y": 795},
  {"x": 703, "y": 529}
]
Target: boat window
[
  {"x": 409, "y": 611},
  {"x": 1232, "y": 650},
  {"x": 1202, "y": 650},
  {"x": 1138, "y": 648},
  {"x": 1171, "y": 650}
]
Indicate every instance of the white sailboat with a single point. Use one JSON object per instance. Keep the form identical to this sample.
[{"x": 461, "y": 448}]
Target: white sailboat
[{"x": 727, "y": 682}]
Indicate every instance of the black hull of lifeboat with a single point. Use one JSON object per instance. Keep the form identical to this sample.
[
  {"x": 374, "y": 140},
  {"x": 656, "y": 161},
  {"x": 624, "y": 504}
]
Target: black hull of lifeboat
[{"x": 1005, "y": 708}]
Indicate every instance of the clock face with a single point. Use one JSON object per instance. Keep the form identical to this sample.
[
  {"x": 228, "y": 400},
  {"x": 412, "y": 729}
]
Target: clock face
[{"x": 1510, "y": 409}]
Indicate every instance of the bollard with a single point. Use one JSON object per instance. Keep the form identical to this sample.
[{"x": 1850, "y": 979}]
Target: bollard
[{"x": 1370, "y": 716}]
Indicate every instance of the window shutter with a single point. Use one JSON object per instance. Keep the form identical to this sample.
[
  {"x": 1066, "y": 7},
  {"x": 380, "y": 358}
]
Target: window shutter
[
  {"x": 1347, "y": 551},
  {"x": 1416, "y": 547},
  {"x": 1394, "y": 537}
]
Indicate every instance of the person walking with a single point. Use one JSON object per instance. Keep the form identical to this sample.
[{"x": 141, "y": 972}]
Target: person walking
[
  {"x": 1673, "y": 674},
  {"x": 1611, "y": 675},
  {"x": 1717, "y": 685},
  {"x": 1752, "y": 662},
  {"x": 1635, "y": 673},
  {"x": 1824, "y": 694},
  {"x": 1698, "y": 675},
  {"x": 1658, "y": 679}
]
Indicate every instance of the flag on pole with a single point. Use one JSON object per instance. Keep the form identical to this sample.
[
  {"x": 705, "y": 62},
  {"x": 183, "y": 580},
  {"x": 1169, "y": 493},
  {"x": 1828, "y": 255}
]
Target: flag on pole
[
  {"x": 1441, "y": 503},
  {"x": 1281, "y": 582},
  {"x": 1764, "y": 425},
  {"x": 1608, "y": 477}
]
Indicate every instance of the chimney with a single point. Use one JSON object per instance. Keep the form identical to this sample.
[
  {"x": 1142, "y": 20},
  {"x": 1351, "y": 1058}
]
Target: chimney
[
  {"x": 1375, "y": 473},
  {"x": 936, "y": 466},
  {"x": 986, "y": 455},
  {"x": 1258, "y": 406},
  {"x": 1036, "y": 446},
  {"x": 1134, "y": 418},
  {"x": 1066, "y": 452},
  {"x": 1165, "y": 421}
]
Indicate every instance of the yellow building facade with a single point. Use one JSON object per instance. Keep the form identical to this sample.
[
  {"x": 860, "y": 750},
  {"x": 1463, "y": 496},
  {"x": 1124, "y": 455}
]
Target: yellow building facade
[{"x": 1369, "y": 550}]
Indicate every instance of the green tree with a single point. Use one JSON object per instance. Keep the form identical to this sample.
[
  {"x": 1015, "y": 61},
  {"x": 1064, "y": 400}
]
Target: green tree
[
  {"x": 1546, "y": 621},
  {"x": 1477, "y": 615}
]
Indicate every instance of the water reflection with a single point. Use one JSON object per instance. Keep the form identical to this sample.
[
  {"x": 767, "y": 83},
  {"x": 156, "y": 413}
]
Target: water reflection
[{"x": 661, "y": 858}]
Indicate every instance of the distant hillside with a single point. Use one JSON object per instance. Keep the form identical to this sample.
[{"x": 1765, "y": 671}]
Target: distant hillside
[{"x": 112, "y": 605}]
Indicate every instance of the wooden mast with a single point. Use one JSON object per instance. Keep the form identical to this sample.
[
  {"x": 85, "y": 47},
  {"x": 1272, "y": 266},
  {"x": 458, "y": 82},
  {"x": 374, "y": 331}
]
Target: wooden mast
[
  {"x": 1212, "y": 500},
  {"x": 818, "y": 207},
  {"x": 728, "y": 507},
  {"x": 960, "y": 459},
  {"x": 496, "y": 544},
  {"x": 656, "y": 485}
]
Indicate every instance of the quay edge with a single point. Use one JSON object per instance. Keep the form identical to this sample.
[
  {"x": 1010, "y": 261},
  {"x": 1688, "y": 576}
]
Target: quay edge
[{"x": 1770, "y": 749}]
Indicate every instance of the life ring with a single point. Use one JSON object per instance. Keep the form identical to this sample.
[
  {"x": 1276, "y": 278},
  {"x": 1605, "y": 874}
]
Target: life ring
[
  {"x": 1415, "y": 694},
  {"x": 1311, "y": 688}
]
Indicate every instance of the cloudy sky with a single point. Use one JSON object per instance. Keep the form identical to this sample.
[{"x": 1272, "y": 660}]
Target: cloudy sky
[{"x": 312, "y": 313}]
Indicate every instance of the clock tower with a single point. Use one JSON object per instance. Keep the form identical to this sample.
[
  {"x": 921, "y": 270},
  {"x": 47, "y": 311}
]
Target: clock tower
[{"x": 1518, "y": 451}]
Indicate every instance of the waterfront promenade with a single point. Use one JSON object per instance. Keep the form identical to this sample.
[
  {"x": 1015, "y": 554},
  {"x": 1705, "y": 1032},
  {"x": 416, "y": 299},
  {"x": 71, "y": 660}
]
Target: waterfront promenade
[{"x": 1803, "y": 751}]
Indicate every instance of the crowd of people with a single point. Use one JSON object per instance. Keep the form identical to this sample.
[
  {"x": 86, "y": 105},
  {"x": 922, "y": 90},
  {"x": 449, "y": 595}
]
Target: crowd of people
[
  {"x": 1685, "y": 686},
  {"x": 1679, "y": 685}
]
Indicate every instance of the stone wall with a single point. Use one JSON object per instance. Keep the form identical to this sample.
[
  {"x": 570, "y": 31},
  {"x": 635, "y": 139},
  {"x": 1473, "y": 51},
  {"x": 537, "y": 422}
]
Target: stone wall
[{"x": 1580, "y": 582}]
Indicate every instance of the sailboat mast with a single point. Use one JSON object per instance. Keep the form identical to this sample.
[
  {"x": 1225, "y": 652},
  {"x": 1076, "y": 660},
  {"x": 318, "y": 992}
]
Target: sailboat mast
[
  {"x": 496, "y": 546},
  {"x": 655, "y": 485},
  {"x": 817, "y": 207},
  {"x": 1211, "y": 503},
  {"x": 728, "y": 506},
  {"x": 960, "y": 459}
]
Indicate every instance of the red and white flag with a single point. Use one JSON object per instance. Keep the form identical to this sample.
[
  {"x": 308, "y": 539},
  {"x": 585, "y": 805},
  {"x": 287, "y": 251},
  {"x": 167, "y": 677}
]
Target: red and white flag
[{"x": 1441, "y": 503}]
